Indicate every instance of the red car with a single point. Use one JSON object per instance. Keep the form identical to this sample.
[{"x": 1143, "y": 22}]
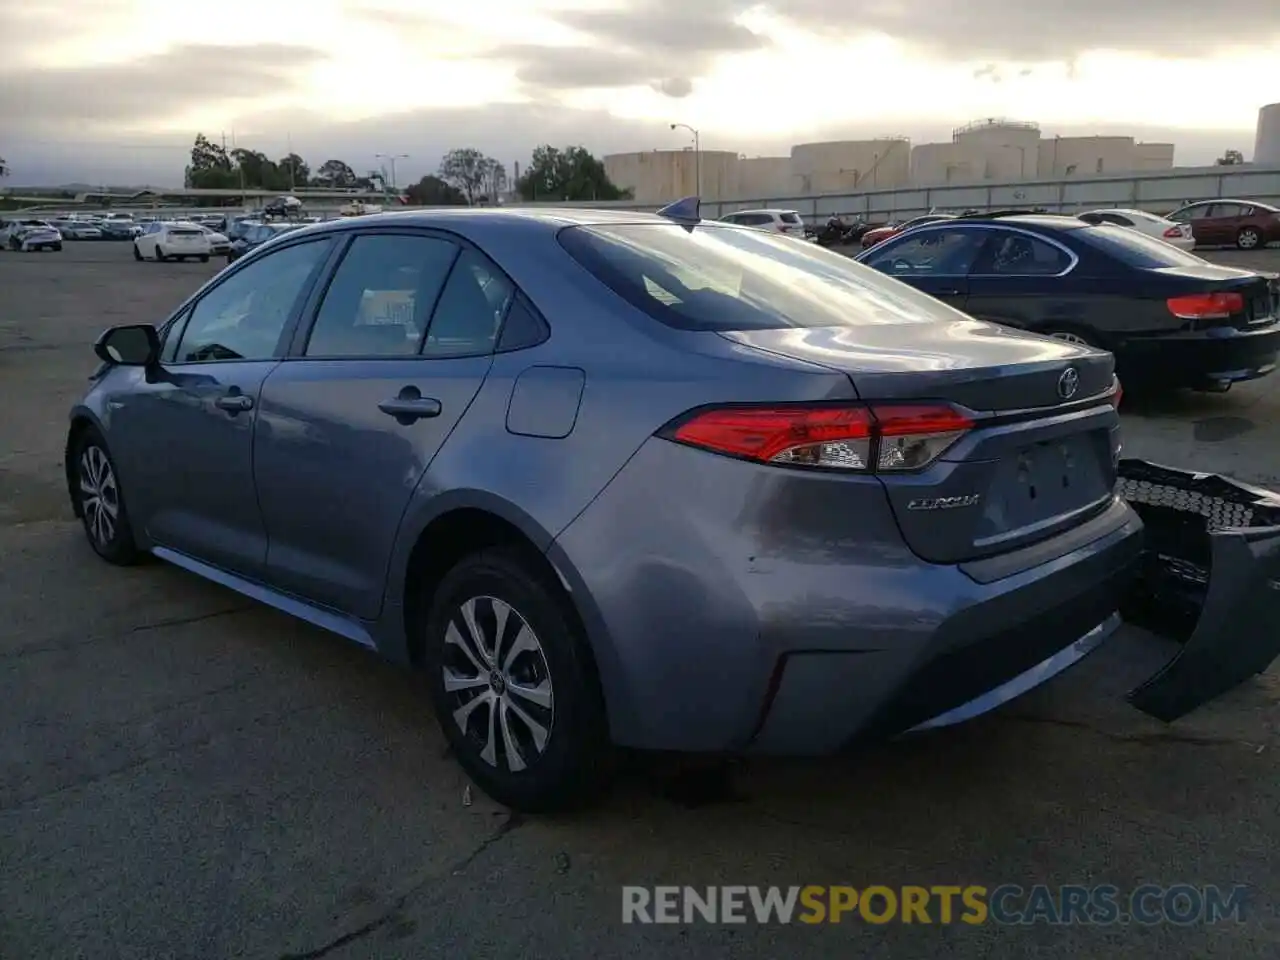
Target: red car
[
  {"x": 1246, "y": 224},
  {"x": 872, "y": 237}
]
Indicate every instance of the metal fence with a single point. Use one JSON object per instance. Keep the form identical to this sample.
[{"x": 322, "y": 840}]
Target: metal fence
[{"x": 1157, "y": 191}]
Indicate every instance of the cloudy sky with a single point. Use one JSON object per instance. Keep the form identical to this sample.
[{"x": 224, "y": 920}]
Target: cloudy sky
[{"x": 109, "y": 91}]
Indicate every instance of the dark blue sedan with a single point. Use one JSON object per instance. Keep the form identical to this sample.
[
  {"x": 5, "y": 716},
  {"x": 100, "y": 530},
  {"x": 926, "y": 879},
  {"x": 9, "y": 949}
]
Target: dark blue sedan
[{"x": 1171, "y": 318}]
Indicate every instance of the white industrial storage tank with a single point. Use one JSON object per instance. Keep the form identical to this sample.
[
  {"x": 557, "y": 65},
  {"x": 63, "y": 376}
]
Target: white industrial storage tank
[
  {"x": 1000, "y": 149},
  {"x": 761, "y": 178},
  {"x": 1266, "y": 148},
  {"x": 1088, "y": 156},
  {"x": 841, "y": 166},
  {"x": 660, "y": 176},
  {"x": 937, "y": 163}
]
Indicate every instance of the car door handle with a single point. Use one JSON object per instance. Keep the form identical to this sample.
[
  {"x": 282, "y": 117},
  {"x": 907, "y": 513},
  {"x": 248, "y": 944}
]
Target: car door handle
[
  {"x": 948, "y": 292},
  {"x": 410, "y": 406},
  {"x": 234, "y": 403}
]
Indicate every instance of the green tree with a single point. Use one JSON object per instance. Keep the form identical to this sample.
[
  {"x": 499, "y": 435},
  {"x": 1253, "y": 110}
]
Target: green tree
[
  {"x": 572, "y": 173},
  {"x": 294, "y": 170},
  {"x": 431, "y": 191},
  {"x": 334, "y": 174},
  {"x": 4, "y": 168},
  {"x": 469, "y": 171},
  {"x": 1230, "y": 159}
]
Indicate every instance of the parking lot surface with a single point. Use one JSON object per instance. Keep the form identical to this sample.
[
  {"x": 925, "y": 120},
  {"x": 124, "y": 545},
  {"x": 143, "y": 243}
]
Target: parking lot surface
[{"x": 186, "y": 774}]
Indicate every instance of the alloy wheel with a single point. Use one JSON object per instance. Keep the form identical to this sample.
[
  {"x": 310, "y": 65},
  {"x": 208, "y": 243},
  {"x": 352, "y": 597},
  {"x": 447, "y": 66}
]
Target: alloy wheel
[
  {"x": 1248, "y": 239},
  {"x": 99, "y": 495},
  {"x": 496, "y": 674}
]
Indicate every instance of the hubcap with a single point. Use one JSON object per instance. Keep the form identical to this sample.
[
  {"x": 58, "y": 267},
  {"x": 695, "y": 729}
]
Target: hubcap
[
  {"x": 99, "y": 495},
  {"x": 497, "y": 675},
  {"x": 1248, "y": 239}
]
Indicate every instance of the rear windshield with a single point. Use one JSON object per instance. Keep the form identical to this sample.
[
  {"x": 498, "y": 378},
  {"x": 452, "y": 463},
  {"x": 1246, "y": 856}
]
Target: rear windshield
[
  {"x": 718, "y": 277},
  {"x": 1136, "y": 249},
  {"x": 790, "y": 217}
]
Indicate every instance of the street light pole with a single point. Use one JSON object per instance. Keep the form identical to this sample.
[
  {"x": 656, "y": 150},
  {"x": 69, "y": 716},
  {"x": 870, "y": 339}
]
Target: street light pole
[
  {"x": 391, "y": 158},
  {"x": 697, "y": 155}
]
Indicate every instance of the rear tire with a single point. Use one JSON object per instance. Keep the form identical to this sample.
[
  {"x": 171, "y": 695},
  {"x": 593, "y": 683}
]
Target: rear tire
[
  {"x": 204, "y": 259},
  {"x": 1249, "y": 238},
  {"x": 57, "y": 248},
  {"x": 99, "y": 501},
  {"x": 137, "y": 254},
  {"x": 160, "y": 257},
  {"x": 513, "y": 684}
]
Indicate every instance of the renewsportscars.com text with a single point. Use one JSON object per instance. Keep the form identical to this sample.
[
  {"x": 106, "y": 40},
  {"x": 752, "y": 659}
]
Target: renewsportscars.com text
[{"x": 1181, "y": 904}]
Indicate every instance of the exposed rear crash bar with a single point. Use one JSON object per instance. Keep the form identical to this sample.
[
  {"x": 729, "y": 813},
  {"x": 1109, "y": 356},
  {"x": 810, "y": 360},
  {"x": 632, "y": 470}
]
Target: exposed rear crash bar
[{"x": 1209, "y": 577}]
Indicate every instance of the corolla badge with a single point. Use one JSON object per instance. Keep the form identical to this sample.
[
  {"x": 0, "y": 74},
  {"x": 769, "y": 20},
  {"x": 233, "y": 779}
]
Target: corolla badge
[
  {"x": 1068, "y": 383},
  {"x": 945, "y": 503}
]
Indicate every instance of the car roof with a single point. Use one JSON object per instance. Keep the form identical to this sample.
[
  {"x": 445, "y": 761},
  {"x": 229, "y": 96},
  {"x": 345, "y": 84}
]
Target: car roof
[
  {"x": 1042, "y": 221},
  {"x": 477, "y": 223}
]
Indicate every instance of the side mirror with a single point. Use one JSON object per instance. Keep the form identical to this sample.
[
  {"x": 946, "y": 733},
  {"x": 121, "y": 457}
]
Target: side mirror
[{"x": 129, "y": 345}]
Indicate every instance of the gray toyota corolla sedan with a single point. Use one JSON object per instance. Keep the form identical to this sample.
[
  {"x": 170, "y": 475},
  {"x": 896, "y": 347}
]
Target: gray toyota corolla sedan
[{"x": 613, "y": 478}]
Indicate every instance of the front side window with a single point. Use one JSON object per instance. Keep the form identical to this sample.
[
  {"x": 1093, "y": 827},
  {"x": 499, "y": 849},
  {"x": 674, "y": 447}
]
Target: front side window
[
  {"x": 722, "y": 278},
  {"x": 243, "y": 317},
  {"x": 930, "y": 253},
  {"x": 381, "y": 297}
]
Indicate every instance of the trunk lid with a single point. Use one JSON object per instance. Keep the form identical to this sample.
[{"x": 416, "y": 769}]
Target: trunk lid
[{"x": 1041, "y": 456}]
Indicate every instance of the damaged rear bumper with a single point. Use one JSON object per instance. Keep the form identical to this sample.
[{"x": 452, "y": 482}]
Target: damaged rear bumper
[{"x": 1209, "y": 578}]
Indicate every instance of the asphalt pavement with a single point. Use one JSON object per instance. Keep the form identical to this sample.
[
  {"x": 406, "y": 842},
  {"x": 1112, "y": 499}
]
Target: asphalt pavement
[{"x": 185, "y": 774}]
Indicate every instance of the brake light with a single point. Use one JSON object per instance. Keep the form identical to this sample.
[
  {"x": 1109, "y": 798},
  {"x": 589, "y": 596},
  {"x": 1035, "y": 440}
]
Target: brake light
[
  {"x": 1206, "y": 306},
  {"x": 1173, "y": 233},
  {"x": 1118, "y": 394},
  {"x": 875, "y": 438}
]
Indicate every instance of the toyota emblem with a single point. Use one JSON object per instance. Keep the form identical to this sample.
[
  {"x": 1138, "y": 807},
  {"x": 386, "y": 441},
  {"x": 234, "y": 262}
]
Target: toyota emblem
[{"x": 1068, "y": 383}]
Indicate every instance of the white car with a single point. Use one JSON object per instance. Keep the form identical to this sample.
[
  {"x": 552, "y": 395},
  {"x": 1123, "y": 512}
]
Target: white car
[
  {"x": 219, "y": 244},
  {"x": 28, "y": 235},
  {"x": 787, "y": 222},
  {"x": 1176, "y": 234},
  {"x": 162, "y": 240}
]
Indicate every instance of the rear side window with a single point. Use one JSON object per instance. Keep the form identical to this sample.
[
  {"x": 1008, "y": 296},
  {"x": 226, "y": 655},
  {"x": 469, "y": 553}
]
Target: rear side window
[
  {"x": 1136, "y": 249},
  {"x": 790, "y": 217},
  {"x": 1017, "y": 254},
  {"x": 381, "y": 297},
  {"x": 722, "y": 278},
  {"x": 470, "y": 311}
]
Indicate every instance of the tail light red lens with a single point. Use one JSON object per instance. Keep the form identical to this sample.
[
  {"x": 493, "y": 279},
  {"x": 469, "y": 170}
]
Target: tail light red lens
[
  {"x": 1173, "y": 233},
  {"x": 1118, "y": 394},
  {"x": 876, "y": 438},
  {"x": 1206, "y": 306}
]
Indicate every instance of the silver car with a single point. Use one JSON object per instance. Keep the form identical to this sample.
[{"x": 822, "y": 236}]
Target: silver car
[{"x": 616, "y": 478}]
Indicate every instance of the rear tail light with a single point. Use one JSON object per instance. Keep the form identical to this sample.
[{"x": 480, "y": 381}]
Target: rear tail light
[
  {"x": 1118, "y": 394},
  {"x": 1206, "y": 306},
  {"x": 1173, "y": 233},
  {"x": 885, "y": 438}
]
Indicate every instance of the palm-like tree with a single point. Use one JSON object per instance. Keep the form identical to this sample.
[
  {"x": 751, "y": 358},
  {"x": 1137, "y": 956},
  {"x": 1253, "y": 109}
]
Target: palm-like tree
[{"x": 4, "y": 168}]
